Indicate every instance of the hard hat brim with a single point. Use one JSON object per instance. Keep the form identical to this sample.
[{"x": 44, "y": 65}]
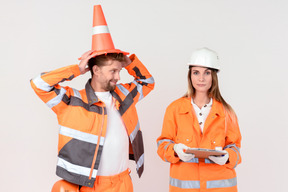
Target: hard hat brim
[
  {"x": 197, "y": 65},
  {"x": 102, "y": 52}
]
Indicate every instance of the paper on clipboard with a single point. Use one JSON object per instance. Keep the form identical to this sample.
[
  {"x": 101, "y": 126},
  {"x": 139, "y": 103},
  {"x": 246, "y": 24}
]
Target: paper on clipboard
[{"x": 204, "y": 153}]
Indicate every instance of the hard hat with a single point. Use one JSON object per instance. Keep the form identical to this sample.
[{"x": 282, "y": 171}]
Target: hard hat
[
  {"x": 204, "y": 57},
  {"x": 101, "y": 39},
  {"x": 64, "y": 186}
]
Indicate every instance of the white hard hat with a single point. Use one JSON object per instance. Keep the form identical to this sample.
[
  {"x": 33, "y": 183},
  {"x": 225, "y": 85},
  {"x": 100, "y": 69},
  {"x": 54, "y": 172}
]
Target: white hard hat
[{"x": 204, "y": 57}]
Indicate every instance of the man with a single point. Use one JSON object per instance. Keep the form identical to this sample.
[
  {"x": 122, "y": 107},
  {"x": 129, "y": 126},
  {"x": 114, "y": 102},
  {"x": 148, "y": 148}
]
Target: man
[{"x": 99, "y": 127}]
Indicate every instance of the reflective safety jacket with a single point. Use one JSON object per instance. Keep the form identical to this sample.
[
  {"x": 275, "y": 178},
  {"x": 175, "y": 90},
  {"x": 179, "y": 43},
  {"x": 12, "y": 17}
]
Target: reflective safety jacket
[
  {"x": 83, "y": 119},
  {"x": 181, "y": 126}
]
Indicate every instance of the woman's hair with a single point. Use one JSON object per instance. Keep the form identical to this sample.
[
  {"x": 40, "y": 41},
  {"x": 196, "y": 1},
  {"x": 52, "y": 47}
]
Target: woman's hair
[
  {"x": 101, "y": 59},
  {"x": 213, "y": 92}
]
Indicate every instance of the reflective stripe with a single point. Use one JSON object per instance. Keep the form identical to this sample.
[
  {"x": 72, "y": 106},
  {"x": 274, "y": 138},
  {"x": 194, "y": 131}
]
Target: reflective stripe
[
  {"x": 140, "y": 162},
  {"x": 194, "y": 160},
  {"x": 184, "y": 184},
  {"x": 208, "y": 161},
  {"x": 56, "y": 100},
  {"x": 41, "y": 84},
  {"x": 232, "y": 145},
  {"x": 100, "y": 29},
  {"x": 80, "y": 135},
  {"x": 222, "y": 183},
  {"x": 134, "y": 133},
  {"x": 75, "y": 168},
  {"x": 163, "y": 140},
  {"x": 123, "y": 89},
  {"x": 139, "y": 89},
  {"x": 76, "y": 93},
  {"x": 237, "y": 158},
  {"x": 165, "y": 147},
  {"x": 149, "y": 80},
  {"x": 237, "y": 151}
]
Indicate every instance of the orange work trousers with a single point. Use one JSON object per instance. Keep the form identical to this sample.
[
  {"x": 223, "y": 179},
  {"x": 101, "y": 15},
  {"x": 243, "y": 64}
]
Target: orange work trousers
[{"x": 116, "y": 183}]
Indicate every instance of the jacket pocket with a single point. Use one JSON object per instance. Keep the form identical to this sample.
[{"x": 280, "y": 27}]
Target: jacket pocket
[
  {"x": 185, "y": 139},
  {"x": 217, "y": 141}
]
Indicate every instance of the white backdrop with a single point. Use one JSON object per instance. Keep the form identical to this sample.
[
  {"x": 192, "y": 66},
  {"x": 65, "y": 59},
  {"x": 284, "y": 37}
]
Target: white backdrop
[{"x": 250, "y": 37}]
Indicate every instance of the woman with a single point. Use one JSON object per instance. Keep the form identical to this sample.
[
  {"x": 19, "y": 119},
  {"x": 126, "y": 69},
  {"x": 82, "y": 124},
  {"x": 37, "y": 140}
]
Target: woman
[{"x": 201, "y": 119}]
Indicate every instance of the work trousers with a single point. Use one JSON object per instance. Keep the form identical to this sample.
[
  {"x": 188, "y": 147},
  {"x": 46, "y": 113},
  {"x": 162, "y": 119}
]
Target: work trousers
[{"x": 116, "y": 183}]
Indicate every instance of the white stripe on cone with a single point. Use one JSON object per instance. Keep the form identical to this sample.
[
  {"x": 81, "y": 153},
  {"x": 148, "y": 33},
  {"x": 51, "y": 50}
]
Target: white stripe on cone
[{"x": 100, "y": 29}]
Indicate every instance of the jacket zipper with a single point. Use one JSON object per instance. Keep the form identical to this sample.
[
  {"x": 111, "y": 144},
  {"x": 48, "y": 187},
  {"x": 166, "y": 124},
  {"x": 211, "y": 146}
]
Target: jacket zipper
[{"x": 98, "y": 143}]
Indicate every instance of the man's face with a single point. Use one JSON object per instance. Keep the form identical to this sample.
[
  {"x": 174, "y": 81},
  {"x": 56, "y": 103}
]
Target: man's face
[{"x": 108, "y": 75}]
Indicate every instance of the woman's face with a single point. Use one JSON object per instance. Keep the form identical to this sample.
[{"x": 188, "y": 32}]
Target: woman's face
[{"x": 201, "y": 78}]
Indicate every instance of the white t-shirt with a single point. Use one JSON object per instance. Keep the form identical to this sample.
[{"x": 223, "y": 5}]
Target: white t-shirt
[
  {"x": 115, "y": 154},
  {"x": 202, "y": 113}
]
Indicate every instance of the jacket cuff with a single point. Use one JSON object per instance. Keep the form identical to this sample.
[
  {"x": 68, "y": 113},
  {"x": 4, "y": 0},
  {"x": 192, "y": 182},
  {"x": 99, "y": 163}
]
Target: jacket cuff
[
  {"x": 170, "y": 154},
  {"x": 234, "y": 158},
  {"x": 75, "y": 70},
  {"x": 134, "y": 62}
]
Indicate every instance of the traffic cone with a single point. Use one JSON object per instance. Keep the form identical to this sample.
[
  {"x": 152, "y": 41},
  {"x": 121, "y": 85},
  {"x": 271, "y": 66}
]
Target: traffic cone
[
  {"x": 63, "y": 186},
  {"x": 101, "y": 39}
]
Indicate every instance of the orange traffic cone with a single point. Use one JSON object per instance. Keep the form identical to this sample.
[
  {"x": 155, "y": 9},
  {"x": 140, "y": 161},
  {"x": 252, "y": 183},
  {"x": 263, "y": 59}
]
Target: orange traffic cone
[
  {"x": 101, "y": 39},
  {"x": 64, "y": 186}
]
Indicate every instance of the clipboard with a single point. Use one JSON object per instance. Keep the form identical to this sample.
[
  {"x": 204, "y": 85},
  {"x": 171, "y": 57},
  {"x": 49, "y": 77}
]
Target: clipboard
[{"x": 204, "y": 153}]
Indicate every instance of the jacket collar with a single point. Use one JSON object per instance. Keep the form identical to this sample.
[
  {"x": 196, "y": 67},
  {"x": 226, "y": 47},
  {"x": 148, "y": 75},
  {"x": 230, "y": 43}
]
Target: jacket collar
[
  {"x": 217, "y": 108},
  {"x": 92, "y": 97},
  {"x": 186, "y": 107}
]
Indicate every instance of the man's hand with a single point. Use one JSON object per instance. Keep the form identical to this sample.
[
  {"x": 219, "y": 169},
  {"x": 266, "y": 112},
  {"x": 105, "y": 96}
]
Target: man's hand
[
  {"x": 84, "y": 61},
  {"x": 126, "y": 61}
]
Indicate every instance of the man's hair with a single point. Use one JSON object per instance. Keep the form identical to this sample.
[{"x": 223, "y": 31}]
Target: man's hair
[{"x": 100, "y": 60}]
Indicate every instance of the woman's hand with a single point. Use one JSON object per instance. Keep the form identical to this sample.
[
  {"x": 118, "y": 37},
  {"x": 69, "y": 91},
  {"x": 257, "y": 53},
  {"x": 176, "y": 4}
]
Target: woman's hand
[
  {"x": 179, "y": 149},
  {"x": 220, "y": 160}
]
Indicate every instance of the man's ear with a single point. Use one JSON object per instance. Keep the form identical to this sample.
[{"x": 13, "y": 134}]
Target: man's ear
[{"x": 95, "y": 69}]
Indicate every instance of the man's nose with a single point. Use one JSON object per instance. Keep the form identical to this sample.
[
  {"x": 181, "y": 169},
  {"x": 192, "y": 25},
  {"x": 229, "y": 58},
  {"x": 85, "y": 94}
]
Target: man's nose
[{"x": 117, "y": 76}]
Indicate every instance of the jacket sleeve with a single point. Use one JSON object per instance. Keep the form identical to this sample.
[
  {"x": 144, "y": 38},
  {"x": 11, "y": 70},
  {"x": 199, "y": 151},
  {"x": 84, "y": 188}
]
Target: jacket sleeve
[
  {"x": 143, "y": 81},
  {"x": 46, "y": 86},
  {"x": 233, "y": 141},
  {"x": 166, "y": 142}
]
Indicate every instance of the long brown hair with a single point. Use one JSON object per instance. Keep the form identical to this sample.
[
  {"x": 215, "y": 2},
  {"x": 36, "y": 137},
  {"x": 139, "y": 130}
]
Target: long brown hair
[{"x": 213, "y": 92}]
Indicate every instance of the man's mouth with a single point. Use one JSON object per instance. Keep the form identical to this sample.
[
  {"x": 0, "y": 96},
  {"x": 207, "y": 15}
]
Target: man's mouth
[{"x": 113, "y": 82}]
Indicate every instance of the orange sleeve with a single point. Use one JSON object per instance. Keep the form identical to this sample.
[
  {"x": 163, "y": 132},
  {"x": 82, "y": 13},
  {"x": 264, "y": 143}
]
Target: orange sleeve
[
  {"x": 46, "y": 86},
  {"x": 166, "y": 142},
  {"x": 143, "y": 80},
  {"x": 233, "y": 142}
]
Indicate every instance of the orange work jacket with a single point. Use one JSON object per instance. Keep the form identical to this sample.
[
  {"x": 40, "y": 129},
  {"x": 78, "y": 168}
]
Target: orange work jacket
[
  {"x": 82, "y": 119},
  {"x": 181, "y": 126}
]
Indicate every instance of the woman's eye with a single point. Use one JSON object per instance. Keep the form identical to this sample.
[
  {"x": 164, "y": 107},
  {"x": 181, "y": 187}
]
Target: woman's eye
[
  {"x": 195, "y": 73},
  {"x": 208, "y": 73}
]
